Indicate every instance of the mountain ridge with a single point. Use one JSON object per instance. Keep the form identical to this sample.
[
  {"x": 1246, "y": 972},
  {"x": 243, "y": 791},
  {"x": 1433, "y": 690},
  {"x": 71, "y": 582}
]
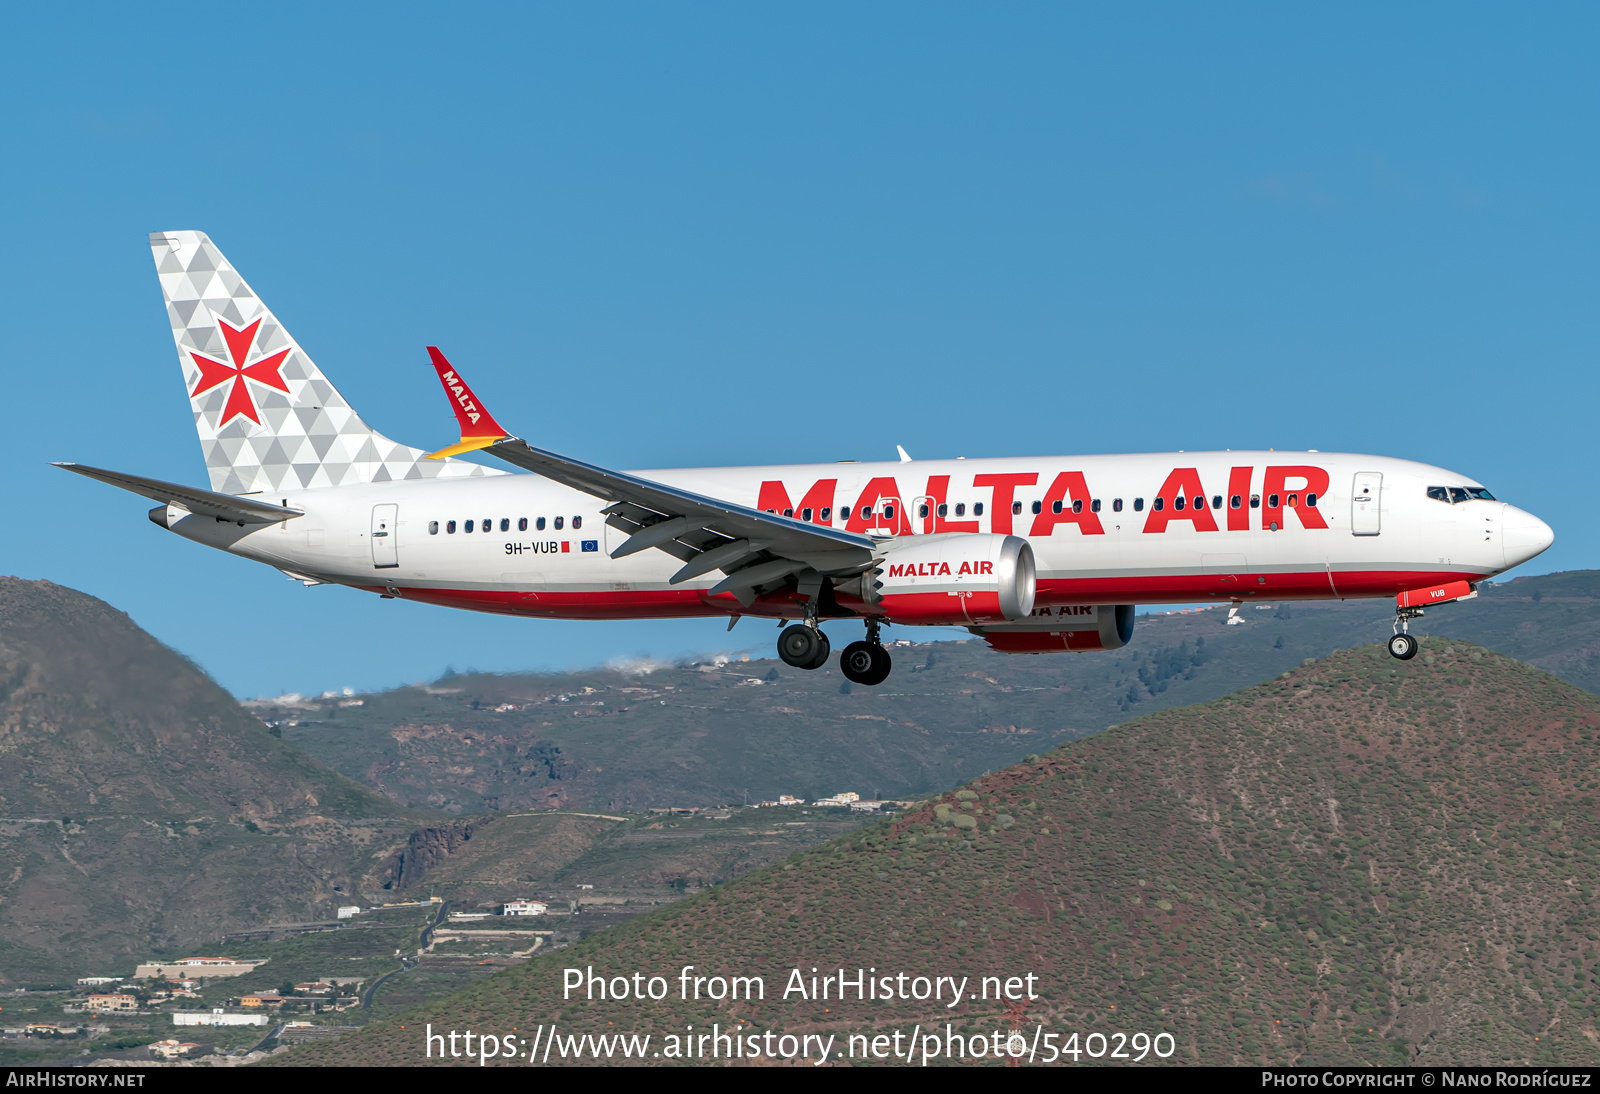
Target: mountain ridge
[
  {"x": 1362, "y": 862},
  {"x": 682, "y": 734},
  {"x": 141, "y": 808}
]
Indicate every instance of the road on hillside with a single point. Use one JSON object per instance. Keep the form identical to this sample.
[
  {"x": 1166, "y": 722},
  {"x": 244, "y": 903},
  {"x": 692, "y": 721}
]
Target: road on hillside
[
  {"x": 261, "y": 1046},
  {"x": 406, "y": 963}
]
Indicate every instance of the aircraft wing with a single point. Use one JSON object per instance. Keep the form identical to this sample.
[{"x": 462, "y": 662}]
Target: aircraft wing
[
  {"x": 754, "y": 549},
  {"x": 202, "y": 503}
]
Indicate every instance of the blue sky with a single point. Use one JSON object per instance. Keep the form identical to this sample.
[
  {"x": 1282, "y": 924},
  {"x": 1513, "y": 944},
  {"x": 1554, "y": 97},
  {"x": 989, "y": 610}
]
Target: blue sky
[{"x": 700, "y": 234}]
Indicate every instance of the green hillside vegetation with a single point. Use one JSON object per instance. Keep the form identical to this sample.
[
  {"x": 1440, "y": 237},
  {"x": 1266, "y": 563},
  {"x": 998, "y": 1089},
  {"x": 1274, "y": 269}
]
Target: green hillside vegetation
[
  {"x": 644, "y": 859},
  {"x": 141, "y": 810},
  {"x": 1365, "y": 861},
  {"x": 707, "y": 734}
]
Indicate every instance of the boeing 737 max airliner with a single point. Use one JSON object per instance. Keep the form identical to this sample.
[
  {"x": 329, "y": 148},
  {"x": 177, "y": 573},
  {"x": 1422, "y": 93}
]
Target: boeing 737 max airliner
[{"x": 1034, "y": 554}]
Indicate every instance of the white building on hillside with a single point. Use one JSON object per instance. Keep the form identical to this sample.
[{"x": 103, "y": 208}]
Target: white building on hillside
[
  {"x": 216, "y": 1017},
  {"x": 524, "y": 907}
]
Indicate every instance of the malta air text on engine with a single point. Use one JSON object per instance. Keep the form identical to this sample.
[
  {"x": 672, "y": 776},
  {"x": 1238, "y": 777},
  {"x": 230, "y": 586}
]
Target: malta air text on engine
[
  {"x": 1255, "y": 497},
  {"x": 939, "y": 569}
]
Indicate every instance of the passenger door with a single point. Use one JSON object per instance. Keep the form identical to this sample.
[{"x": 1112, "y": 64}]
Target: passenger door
[
  {"x": 385, "y": 549},
  {"x": 1366, "y": 502}
]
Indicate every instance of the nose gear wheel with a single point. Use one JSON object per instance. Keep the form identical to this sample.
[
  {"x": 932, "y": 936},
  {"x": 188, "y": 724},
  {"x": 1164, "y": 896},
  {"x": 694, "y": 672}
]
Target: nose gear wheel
[{"x": 1402, "y": 645}]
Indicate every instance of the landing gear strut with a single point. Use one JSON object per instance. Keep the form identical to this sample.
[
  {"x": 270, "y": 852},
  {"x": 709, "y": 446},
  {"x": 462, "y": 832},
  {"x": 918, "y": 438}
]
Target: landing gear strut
[
  {"x": 866, "y": 662},
  {"x": 1402, "y": 645}
]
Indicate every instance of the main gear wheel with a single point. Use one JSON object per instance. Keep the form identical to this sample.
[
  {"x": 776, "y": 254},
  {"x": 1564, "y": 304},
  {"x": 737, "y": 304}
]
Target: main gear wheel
[
  {"x": 865, "y": 663},
  {"x": 803, "y": 647}
]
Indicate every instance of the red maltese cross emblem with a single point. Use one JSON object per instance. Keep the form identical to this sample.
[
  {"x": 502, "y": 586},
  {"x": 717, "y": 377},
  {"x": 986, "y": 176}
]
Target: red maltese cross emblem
[{"x": 262, "y": 371}]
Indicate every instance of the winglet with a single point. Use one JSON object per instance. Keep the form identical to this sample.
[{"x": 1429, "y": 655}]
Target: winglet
[{"x": 478, "y": 427}]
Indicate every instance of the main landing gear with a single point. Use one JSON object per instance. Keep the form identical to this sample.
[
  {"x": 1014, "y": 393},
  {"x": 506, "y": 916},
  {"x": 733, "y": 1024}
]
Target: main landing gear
[
  {"x": 866, "y": 662},
  {"x": 1402, "y": 645},
  {"x": 804, "y": 646}
]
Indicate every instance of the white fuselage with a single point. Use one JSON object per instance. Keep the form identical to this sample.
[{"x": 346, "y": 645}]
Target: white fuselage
[{"x": 524, "y": 545}]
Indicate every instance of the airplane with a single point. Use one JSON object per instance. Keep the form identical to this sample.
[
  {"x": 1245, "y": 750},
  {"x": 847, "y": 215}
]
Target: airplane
[{"x": 1032, "y": 554}]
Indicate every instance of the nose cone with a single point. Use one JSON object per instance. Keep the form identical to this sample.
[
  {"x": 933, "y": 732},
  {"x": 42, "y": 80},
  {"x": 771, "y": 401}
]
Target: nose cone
[{"x": 1523, "y": 536}]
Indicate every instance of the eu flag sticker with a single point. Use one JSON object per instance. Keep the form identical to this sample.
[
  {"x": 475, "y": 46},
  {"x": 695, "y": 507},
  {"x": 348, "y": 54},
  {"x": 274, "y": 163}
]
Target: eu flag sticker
[{"x": 591, "y": 545}]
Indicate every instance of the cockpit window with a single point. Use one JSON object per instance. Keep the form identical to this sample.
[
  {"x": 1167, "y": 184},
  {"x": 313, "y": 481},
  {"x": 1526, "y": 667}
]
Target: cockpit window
[{"x": 1456, "y": 494}]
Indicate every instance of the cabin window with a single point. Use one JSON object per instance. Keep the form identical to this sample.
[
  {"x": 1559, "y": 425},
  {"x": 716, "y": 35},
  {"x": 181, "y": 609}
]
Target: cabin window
[
  {"x": 488, "y": 525},
  {"x": 1216, "y": 501},
  {"x": 944, "y": 510},
  {"x": 1255, "y": 501},
  {"x": 1055, "y": 506},
  {"x": 1116, "y": 505},
  {"x": 1272, "y": 501},
  {"x": 922, "y": 510},
  {"x": 1311, "y": 501},
  {"x": 1077, "y": 506},
  {"x": 450, "y": 527},
  {"x": 1294, "y": 500},
  {"x": 539, "y": 524},
  {"x": 788, "y": 512},
  {"x": 888, "y": 512},
  {"x": 558, "y": 523},
  {"x": 1038, "y": 507},
  {"x": 1439, "y": 493},
  {"x": 467, "y": 527},
  {"x": 1235, "y": 501},
  {"x": 522, "y": 524},
  {"x": 1016, "y": 508},
  {"x": 1138, "y": 505},
  {"x": 433, "y": 527},
  {"x": 1094, "y": 506},
  {"x": 577, "y": 522},
  {"x": 1177, "y": 503},
  {"x": 505, "y": 524},
  {"x": 977, "y": 508},
  {"x": 805, "y": 514},
  {"x": 961, "y": 508},
  {"x": 827, "y": 512},
  {"x": 1159, "y": 504}
]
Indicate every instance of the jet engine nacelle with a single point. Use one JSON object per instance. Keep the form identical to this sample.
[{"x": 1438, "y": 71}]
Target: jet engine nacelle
[
  {"x": 958, "y": 578},
  {"x": 1079, "y": 628}
]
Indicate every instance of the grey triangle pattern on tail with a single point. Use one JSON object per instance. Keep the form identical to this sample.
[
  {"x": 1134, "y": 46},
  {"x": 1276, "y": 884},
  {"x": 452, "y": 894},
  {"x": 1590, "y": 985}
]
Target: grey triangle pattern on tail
[{"x": 266, "y": 423}]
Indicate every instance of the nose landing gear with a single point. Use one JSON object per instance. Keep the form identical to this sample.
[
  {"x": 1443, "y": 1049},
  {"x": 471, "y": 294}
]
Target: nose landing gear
[{"x": 1402, "y": 645}]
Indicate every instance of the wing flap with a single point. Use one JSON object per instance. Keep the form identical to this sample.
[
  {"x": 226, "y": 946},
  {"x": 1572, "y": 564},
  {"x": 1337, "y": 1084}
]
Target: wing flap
[{"x": 786, "y": 536}]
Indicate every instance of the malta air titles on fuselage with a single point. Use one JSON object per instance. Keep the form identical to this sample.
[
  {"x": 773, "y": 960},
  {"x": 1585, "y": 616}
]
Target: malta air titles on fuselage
[{"x": 1256, "y": 495}]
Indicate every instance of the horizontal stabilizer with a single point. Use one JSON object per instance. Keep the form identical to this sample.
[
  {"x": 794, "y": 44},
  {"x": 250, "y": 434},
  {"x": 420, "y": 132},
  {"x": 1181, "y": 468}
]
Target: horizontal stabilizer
[{"x": 202, "y": 503}]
